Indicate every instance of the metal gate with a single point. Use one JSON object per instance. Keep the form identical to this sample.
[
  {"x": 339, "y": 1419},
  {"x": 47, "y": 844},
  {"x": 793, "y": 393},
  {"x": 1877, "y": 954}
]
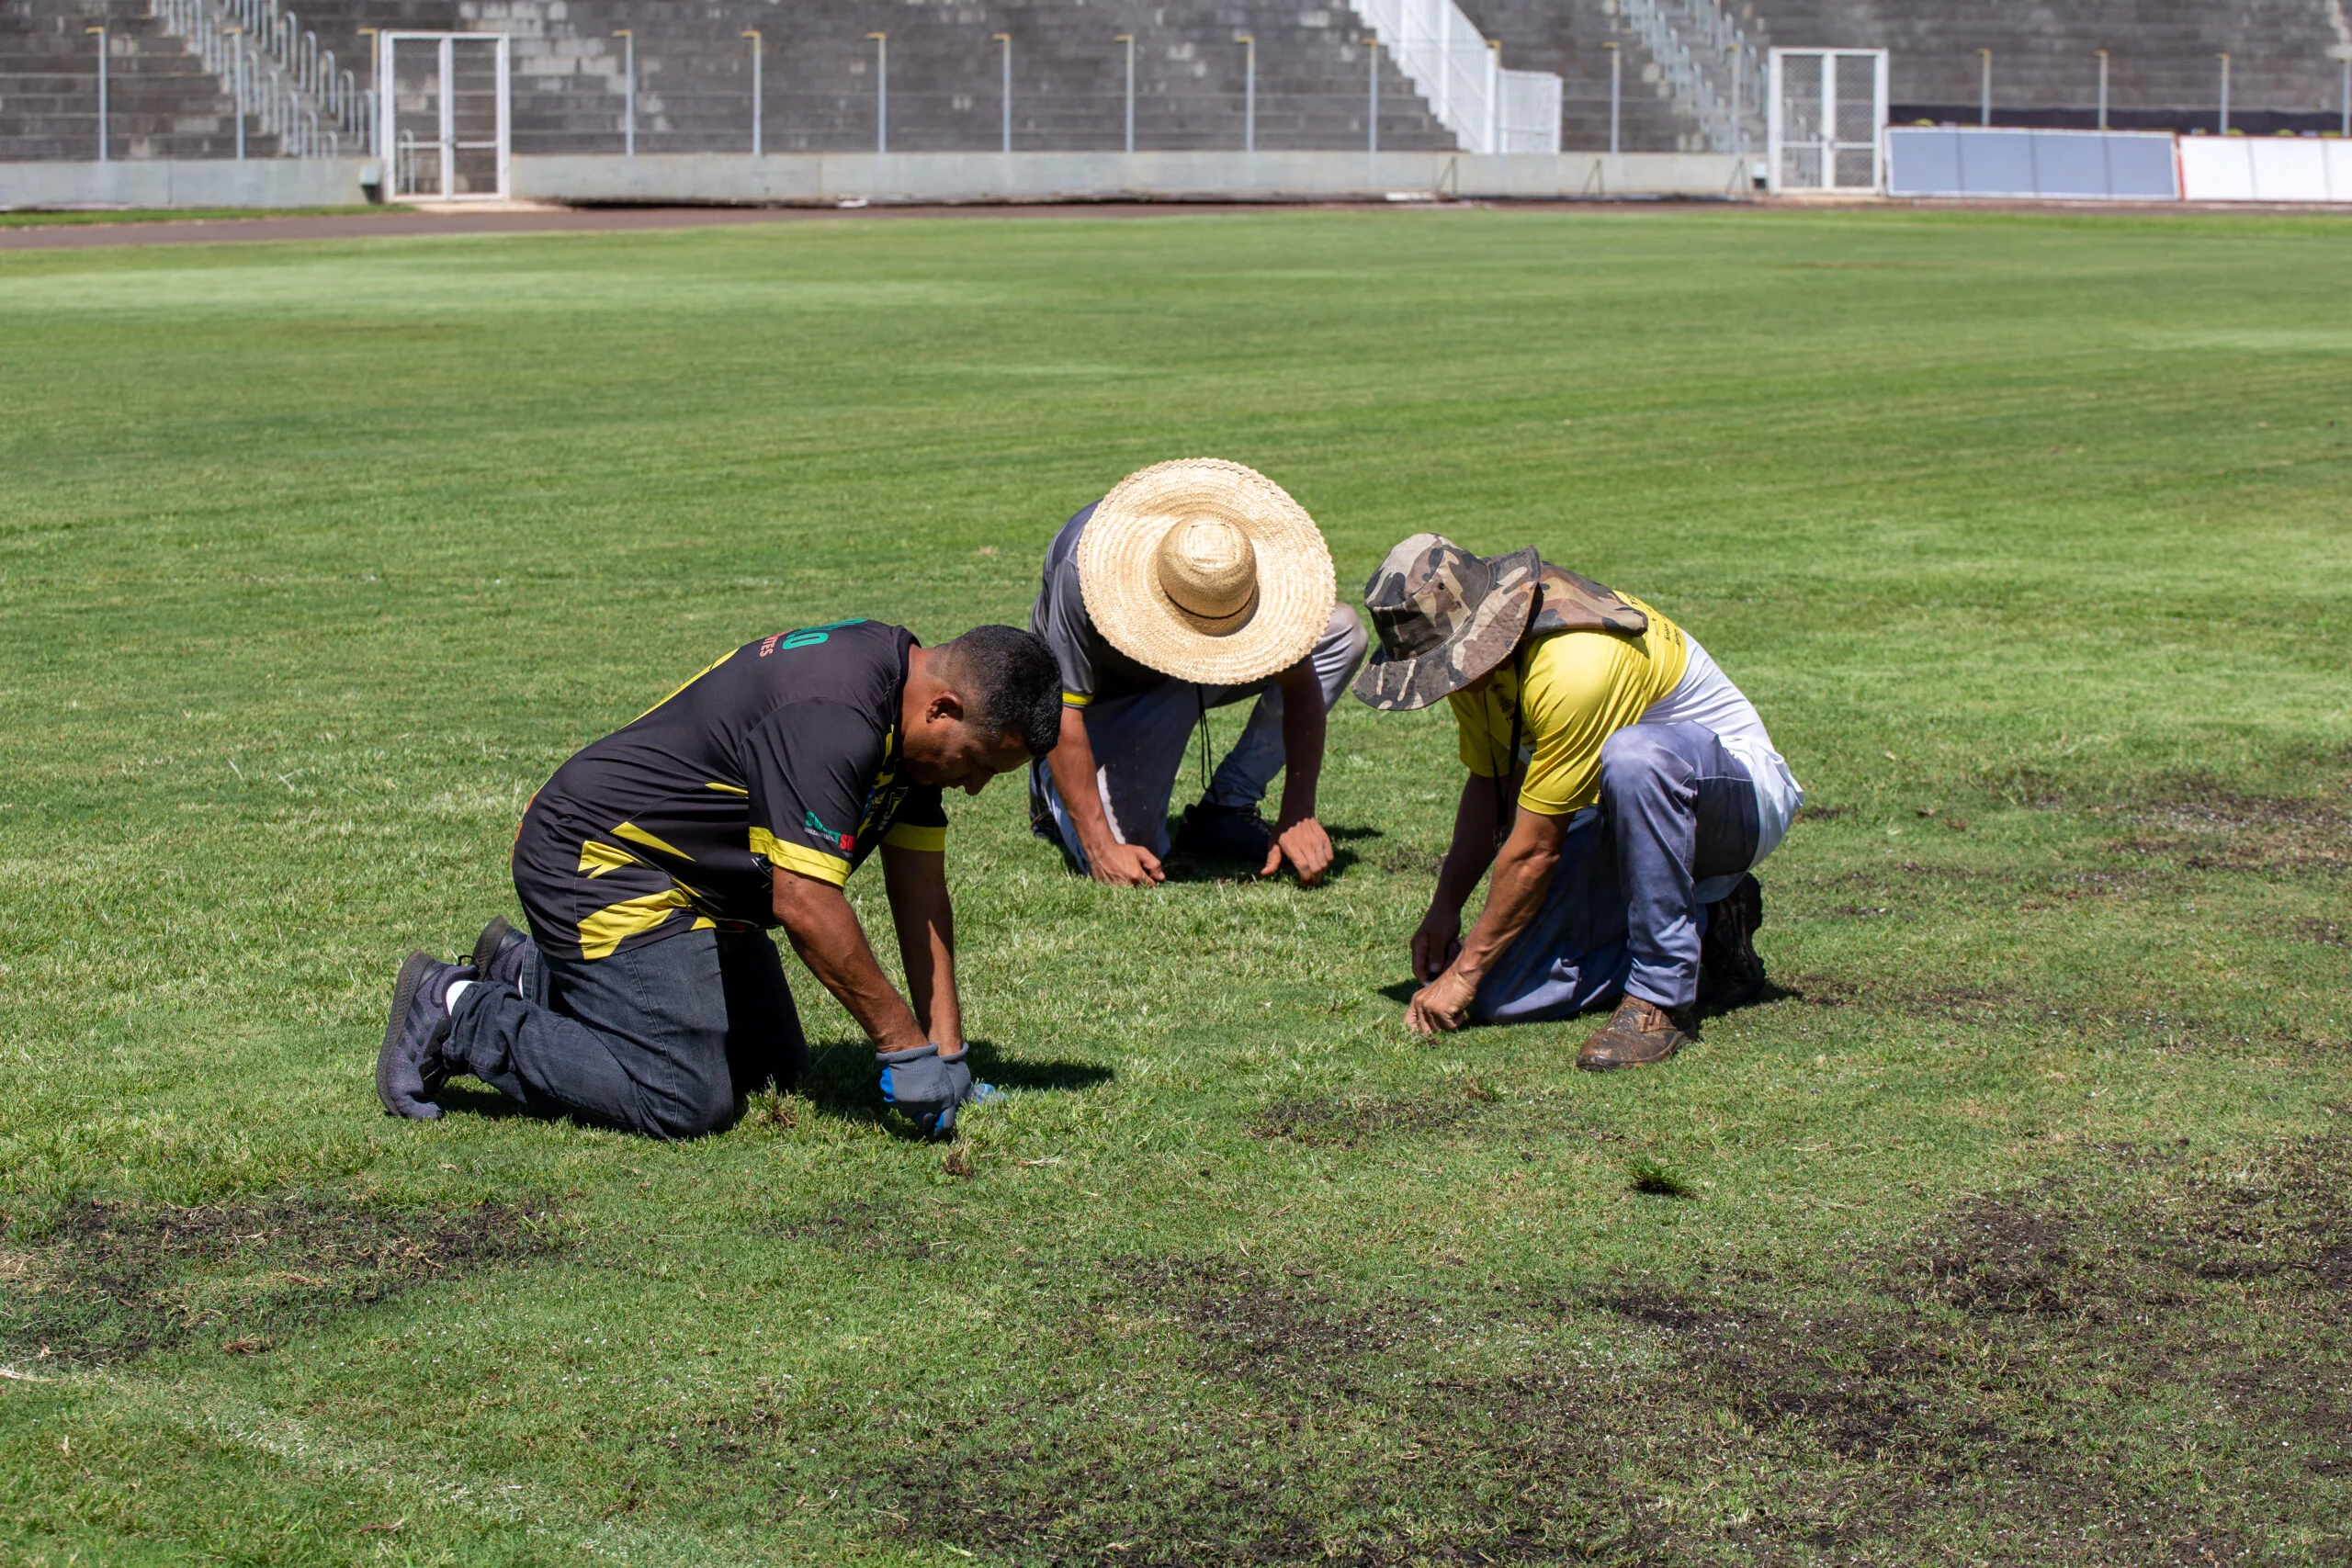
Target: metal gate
[
  {"x": 446, "y": 116},
  {"x": 1828, "y": 108}
]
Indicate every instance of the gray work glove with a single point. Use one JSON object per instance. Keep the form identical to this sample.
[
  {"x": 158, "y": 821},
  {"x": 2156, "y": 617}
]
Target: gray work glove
[{"x": 927, "y": 1085}]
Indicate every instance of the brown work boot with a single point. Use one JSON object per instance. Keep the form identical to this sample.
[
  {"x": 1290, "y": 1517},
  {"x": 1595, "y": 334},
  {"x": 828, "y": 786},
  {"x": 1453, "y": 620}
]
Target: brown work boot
[
  {"x": 1730, "y": 974},
  {"x": 1637, "y": 1035}
]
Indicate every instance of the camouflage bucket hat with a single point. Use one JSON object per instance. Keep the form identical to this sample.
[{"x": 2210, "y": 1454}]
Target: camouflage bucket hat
[{"x": 1444, "y": 617}]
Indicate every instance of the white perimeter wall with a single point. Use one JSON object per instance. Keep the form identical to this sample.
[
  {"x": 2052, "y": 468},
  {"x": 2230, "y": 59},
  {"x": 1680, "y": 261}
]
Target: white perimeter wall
[
  {"x": 2266, "y": 168},
  {"x": 207, "y": 182},
  {"x": 829, "y": 177},
  {"x": 1049, "y": 177}
]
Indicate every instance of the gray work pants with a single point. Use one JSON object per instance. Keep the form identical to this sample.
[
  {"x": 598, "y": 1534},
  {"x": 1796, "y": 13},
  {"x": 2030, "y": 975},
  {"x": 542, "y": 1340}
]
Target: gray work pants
[
  {"x": 1139, "y": 743},
  {"x": 1622, "y": 916},
  {"x": 664, "y": 1039}
]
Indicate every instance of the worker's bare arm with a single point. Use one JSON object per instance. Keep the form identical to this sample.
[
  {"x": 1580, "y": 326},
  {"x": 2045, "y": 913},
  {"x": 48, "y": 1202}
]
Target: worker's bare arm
[{"x": 824, "y": 932}]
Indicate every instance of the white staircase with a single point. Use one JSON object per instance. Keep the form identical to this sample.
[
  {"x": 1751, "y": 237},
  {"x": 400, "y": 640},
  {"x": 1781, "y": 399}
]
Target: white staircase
[{"x": 1461, "y": 75}]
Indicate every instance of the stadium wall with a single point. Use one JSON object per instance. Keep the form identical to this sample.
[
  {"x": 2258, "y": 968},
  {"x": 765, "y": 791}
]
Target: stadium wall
[
  {"x": 1095, "y": 176},
  {"x": 829, "y": 178},
  {"x": 256, "y": 183}
]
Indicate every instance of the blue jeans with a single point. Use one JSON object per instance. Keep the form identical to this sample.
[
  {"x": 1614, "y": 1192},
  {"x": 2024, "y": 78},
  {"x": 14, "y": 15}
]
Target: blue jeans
[
  {"x": 664, "y": 1039},
  {"x": 1622, "y": 915},
  {"x": 1139, "y": 743}
]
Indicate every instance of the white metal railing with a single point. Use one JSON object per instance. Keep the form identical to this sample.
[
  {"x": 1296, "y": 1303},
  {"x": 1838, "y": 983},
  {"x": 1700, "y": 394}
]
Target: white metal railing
[
  {"x": 1715, "y": 76},
  {"x": 1460, "y": 75},
  {"x": 283, "y": 81}
]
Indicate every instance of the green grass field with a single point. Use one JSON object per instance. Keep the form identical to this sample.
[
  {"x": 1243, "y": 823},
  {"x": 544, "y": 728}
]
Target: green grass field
[{"x": 2011, "y": 1228}]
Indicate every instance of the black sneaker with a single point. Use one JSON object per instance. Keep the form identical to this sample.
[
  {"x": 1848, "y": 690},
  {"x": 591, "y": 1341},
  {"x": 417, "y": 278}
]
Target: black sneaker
[
  {"x": 498, "y": 953},
  {"x": 1223, "y": 832},
  {"x": 1730, "y": 974},
  {"x": 409, "y": 1070}
]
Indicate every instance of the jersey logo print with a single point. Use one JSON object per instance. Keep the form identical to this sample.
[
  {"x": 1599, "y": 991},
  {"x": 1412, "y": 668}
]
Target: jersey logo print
[
  {"x": 845, "y": 842},
  {"x": 807, "y": 636}
]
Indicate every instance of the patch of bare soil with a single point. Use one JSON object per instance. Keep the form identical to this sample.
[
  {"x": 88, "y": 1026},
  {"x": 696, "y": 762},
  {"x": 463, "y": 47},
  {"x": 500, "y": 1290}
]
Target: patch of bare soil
[
  {"x": 855, "y": 1225},
  {"x": 101, "y": 1281},
  {"x": 1345, "y": 1123},
  {"x": 1996, "y": 1007},
  {"x": 2210, "y": 828},
  {"x": 2326, "y": 934},
  {"x": 2016, "y": 1384}
]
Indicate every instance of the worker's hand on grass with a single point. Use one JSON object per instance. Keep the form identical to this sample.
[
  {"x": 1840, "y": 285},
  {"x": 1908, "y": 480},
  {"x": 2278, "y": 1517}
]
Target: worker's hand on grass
[
  {"x": 1306, "y": 845},
  {"x": 927, "y": 1086},
  {"x": 1437, "y": 943},
  {"x": 1443, "y": 1004},
  {"x": 1124, "y": 866}
]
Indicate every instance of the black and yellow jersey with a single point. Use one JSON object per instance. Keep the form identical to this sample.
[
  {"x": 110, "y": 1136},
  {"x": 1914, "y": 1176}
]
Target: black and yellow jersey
[{"x": 783, "y": 754}]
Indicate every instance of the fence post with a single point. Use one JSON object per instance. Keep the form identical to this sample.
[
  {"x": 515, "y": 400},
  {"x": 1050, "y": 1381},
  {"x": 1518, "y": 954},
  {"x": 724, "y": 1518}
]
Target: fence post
[
  {"x": 1249, "y": 91},
  {"x": 2225, "y": 94},
  {"x": 2102, "y": 88},
  {"x": 237, "y": 76},
  {"x": 2347, "y": 94},
  {"x": 1984, "y": 86},
  {"x": 628, "y": 90},
  {"x": 1371, "y": 116},
  {"x": 102, "y": 90},
  {"x": 1006, "y": 40},
  {"x": 1616, "y": 93},
  {"x": 881, "y": 91},
  {"x": 1129, "y": 39},
  {"x": 758, "y": 45},
  {"x": 375, "y": 38},
  {"x": 1738, "y": 142}
]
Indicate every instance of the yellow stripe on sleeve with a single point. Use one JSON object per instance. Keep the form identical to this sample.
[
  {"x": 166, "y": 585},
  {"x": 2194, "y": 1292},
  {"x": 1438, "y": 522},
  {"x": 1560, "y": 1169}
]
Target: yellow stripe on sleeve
[
  {"x": 909, "y": 836},
  {"x": 728, "y": 788},
  {"x": 1077, "y": 699},
  {"x": 795, "y": 858}
]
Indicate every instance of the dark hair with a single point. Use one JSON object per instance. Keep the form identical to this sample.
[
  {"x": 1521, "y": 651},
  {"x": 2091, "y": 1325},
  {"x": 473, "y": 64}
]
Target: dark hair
[{"x": 1009, "y": 683}]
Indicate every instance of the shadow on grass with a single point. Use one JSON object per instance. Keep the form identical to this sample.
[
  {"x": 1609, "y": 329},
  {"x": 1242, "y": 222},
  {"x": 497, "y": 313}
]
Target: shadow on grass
[
  {"x": 1403, "y": 991},
  {"x": 842, "y": 1081},
  {"x": 475, "y": 1099},
  {"x": 1182, "y": 867}
]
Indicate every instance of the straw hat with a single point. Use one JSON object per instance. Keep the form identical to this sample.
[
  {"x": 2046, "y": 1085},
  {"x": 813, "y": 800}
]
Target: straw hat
[{"x": 1205, "y": 571}]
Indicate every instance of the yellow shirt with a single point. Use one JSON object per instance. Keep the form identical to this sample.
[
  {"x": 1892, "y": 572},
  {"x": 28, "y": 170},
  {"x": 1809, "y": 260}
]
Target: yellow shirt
[{"x": 1579, "y": 689}]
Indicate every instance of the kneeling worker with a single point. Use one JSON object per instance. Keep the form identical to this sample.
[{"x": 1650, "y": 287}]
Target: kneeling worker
[
  {"x": 1621, "y": 786},
  {"x": 648, "y": 995},
  {"x": 1192, "y": 586}
]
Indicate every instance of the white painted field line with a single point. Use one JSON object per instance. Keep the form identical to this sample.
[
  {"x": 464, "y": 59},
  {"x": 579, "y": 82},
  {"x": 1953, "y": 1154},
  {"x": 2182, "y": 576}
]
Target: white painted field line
[{"x": 407, "y": 1475}]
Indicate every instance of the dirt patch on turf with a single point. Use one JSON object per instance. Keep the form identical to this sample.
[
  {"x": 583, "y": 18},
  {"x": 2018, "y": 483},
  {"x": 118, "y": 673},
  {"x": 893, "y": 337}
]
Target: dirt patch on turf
[
  {"x": 2015, "y": 1384},
  {"x": 873, "y": 1230},
  {"x": 1344, "y": 1122},
  {"x": 2006, "y": 1007},
  {"x": 2206, "y": 828},
  {"x": 101, "y": 1281}
]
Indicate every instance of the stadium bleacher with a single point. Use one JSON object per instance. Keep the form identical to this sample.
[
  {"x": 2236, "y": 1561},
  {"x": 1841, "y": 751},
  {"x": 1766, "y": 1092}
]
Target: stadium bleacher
[
  {"x": 161, "y": 102},
  {"x": 1068, "y": 70},
  {"x": 2161, "y": 56},
  {"x": 1571, "y": 40}
]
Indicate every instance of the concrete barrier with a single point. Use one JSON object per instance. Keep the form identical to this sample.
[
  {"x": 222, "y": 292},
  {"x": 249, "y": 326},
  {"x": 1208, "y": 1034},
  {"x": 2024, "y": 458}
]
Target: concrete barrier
[
  {"x": 830, "y": 177},
  {"x": 187, "y": 182}
]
